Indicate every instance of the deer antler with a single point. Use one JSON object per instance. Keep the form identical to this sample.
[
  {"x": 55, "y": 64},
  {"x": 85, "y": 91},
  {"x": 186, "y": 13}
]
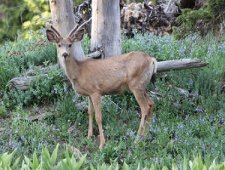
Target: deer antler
[
  {"x": 78, "y": 27},
  {"x": 53, "y": 29}
]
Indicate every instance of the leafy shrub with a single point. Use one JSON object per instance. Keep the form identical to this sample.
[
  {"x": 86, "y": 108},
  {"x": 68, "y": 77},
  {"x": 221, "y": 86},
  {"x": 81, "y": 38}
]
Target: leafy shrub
[
  {"x": 16, "y": 57},
  {"x": 204, "y": 20},
  {"x": 22, "y": 15},
  {"x": 3, "y": 111},
  {"x": 43, "y": 88},
  {"x": 17, "y": 16},
  {"x": 72, "y": 161}
]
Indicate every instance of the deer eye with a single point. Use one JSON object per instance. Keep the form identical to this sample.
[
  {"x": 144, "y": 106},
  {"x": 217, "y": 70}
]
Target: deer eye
[
  {"x": 59, "y": 45},
  {"x": 70, "y": 45}
]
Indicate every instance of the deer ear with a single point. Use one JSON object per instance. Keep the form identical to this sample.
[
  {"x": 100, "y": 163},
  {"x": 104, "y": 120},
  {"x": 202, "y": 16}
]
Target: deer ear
[
  {"x": 78, "y": 36},
  {"x": 52, "y": 36}
]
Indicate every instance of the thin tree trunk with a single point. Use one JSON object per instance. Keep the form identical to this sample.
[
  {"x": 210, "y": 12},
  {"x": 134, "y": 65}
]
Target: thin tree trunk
[
  {"x": 105, "y": 32},
  {"x": 63, "y": 20}
]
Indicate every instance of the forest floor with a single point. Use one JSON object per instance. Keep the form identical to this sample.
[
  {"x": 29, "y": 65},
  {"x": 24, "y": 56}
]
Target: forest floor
[{"x": 189, "y": 117}]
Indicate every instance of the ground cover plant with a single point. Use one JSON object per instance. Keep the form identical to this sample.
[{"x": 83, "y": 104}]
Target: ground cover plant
[
  {"x": 73, "y": 161},
  {"x": 189, "y": 118}
]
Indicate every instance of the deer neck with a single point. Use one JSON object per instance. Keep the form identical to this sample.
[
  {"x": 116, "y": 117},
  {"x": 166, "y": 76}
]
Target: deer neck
[{"x": 71, "y": 67}]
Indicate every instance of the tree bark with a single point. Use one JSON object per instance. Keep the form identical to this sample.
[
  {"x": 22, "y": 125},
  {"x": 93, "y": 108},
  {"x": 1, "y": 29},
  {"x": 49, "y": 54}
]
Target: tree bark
[
  {"x": 64, "y": 21},
  {"x": 105, "y": 31},
  {"x": 23, "y": 83}
]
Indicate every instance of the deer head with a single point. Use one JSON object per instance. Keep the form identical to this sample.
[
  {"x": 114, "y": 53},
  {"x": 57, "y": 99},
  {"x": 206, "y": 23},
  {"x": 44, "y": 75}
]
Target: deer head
[{"x": 65, "y": 43}]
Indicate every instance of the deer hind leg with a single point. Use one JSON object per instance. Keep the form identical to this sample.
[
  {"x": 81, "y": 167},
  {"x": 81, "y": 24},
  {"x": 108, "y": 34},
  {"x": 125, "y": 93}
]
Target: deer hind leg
[
  {"x": 90, "y": 118},
  {"x": 146, "y": 106},
  {"x": 151, "y": 105},
  {"x": 96, "y": 100}
]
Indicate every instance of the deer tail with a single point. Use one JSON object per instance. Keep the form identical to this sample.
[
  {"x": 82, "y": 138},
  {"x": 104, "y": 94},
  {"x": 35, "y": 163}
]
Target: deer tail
[{"x": 154, "y": 64}]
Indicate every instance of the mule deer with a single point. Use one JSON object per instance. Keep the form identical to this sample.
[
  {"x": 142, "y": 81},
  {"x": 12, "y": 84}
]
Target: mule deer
[{"x": 95, "y": 78}]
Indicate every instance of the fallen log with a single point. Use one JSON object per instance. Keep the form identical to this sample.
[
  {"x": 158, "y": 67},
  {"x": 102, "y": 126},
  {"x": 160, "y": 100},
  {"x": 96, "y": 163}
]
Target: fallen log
[
  {"x": 168, "y": 65},
  {"x": 40, "y": 117},
  {"x": 20, "y": 83},
  {"x": 96, "y": 54},
  {"x": 23, "y": 82}
]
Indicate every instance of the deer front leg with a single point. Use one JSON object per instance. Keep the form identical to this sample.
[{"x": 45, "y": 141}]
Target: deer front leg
[
  {"x": 90, "y": 118},
  {"x": 96, "y": 100}
]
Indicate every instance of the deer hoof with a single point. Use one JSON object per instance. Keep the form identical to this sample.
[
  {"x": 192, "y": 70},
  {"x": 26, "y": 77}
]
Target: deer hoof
[
  {"x": 101, "y": 141},
  {"x": 90, "y": 135}
]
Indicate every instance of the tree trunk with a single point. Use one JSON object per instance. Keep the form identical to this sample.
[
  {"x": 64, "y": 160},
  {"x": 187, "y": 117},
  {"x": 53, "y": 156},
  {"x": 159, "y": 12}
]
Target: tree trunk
[
  {"x": 105, "y": 31},
  {"x": 64, "y": 21},
  {"x": 23, "y": 83}
]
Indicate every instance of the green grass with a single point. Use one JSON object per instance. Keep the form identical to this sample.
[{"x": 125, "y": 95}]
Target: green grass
[{"x": 183, "y": 125}]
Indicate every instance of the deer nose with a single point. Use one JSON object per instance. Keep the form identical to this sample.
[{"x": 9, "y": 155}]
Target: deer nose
[{"x": 65, "y": 55}]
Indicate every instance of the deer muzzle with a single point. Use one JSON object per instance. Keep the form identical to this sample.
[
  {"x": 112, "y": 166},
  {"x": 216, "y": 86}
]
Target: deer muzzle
[{"x": 65, "y": 55}]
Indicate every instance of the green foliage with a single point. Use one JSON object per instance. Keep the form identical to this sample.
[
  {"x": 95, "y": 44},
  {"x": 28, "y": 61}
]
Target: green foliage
[
  {"x": 69, "y": 162},
  {"x": 216, "y": 7},
  {"x": 37, "y": 13},
  {"x": 15, "y": 58},
  {"x": 204, "y": 20},
  {"x": 162, "y": 48},
  {"x": 46, "y": 161},
  {"x": 77, "y": 2},
  {"x": 22, "y": 16},
  {"x": 3, "y": 111},
  {"x": 193, "y": 21},
  {"x": 9, "y": 21}
]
